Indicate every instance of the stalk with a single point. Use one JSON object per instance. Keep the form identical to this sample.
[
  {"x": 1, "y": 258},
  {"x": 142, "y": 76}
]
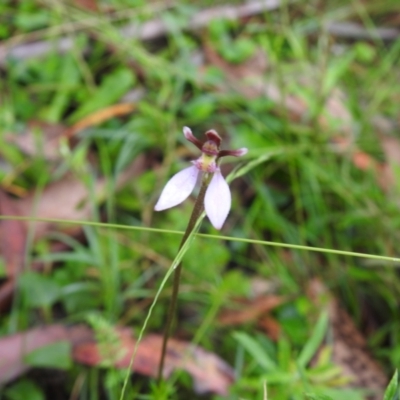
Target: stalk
[{"x": 197, "y": 211}]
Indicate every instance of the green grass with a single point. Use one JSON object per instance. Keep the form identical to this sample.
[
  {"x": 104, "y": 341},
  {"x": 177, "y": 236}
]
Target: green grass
[{"x": 301, "y": 208}]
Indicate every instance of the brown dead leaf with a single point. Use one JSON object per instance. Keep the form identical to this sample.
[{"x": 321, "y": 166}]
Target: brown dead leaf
[
  {"x": 90, "y": 5},
  {"x": 386, "y": 172},
  {"x": 364, "y": 161},
  {"x": 7, "y": 288},
  {"x": 14, "y": 348},
  {"x": 69, "y": 199},
  {"x": 209, "y": 372},
  {"x": 12, "y": 236},
  {"x": 40, "y": 138},
  {"x": 100, "y": 116},
  {"x": 249, "y": 310},
  {"x": 270, "y": 326},
  {"x": 12, "y": 247},
  {"x": 390, "y": 171},
  {"x": 349, "y": 346},
  {"x": 66, "y": 199}
]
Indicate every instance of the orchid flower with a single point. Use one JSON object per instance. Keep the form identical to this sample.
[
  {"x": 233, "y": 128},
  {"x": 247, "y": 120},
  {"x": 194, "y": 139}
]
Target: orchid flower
[{"x": 217, "y": 200}]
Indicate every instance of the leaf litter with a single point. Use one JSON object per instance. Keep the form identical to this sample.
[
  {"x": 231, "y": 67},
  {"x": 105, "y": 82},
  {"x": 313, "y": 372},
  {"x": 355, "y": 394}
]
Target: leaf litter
[
  {"x": 297, "y": 110},
  {"x": 15, "y": 348},
  {"x": 209, "y": 372},
  {"x": 242, "y": 311}
]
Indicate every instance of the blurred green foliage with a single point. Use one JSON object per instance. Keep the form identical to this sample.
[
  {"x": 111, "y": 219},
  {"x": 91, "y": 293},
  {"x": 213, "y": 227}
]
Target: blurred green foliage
[{"x": 305, "y": 192}]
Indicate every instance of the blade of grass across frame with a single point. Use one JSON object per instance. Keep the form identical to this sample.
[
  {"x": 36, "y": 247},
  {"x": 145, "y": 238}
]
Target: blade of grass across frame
[{"x": 106, "y": 225}]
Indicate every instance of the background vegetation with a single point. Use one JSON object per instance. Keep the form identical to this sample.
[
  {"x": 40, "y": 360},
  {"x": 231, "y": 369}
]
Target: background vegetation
[{"x": 94, "y": 96}]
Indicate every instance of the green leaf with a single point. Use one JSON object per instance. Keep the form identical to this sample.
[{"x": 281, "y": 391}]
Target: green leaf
[
  {"x": 38, "y": 290},
  {"x": 69, "y": 81},
  {"x": 314, "y": 342},
  {"x": 203, "y": 269},
  {"x": 256, "y": 351},
  {"x": 365, "y": 52},
  {"x": 284, "y": 354},
  {"x": 392, "y": 388},
  {"x": 336, "y": 69},
  {"x": 239, "y": 51},
  {"x": 3, "y": 271},
  {"x": 30, "y": 21},
  {"x": 55, "y": 355},
  {"x": 112, "y": 88},
  {"x": 200, "y": 108},
  {"x": 24, "y": 390}
]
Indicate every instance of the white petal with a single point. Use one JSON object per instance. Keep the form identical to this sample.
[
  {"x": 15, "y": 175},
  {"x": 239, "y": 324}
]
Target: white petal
[
  {"x": 178, "y": 188},
  {"x": 217, "y": 201}
]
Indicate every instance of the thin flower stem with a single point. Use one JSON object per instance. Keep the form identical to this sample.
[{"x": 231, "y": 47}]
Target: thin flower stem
[{"x": 196, "y": 213}]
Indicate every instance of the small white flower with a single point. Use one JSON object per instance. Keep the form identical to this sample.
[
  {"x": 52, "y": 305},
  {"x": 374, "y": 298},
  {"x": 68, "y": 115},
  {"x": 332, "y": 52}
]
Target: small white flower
[{"x": 217, "y": 201}]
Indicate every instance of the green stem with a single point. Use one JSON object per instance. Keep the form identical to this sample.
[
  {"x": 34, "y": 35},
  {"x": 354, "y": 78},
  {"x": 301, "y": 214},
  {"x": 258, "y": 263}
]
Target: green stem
[{"x": 197, "y": 210}]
